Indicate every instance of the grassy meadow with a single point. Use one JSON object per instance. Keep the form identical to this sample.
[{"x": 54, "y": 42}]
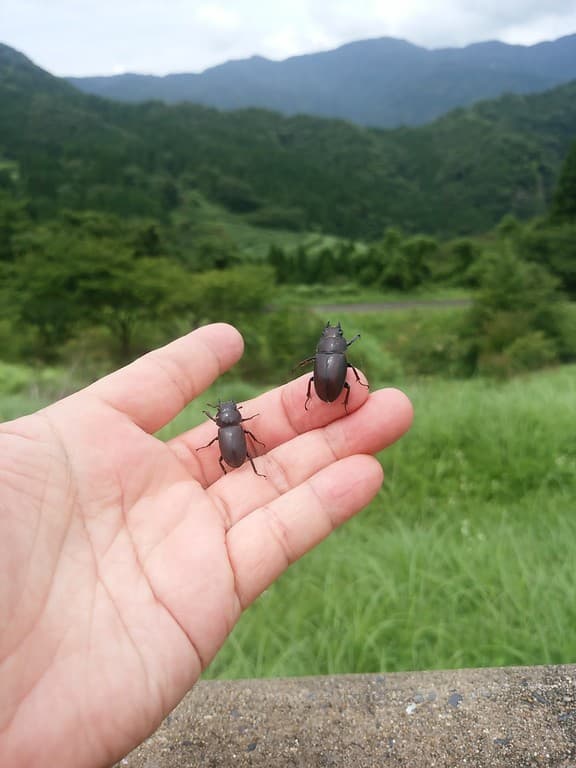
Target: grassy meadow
[{"x": 465, "y": 558}]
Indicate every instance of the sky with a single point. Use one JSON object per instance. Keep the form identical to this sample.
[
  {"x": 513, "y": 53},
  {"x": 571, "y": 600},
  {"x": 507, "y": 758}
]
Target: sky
[{"x": 90, "y": 37}]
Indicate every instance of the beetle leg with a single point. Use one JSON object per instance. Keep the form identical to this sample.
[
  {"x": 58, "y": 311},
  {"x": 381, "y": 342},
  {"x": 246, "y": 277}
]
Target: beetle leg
[
  {"x": 358, "y": 377},
  {"x": 221, "y": 462},
  {"x": 207, "y": 444},
  {"x": 253, "y": 465},
  {"x": 353, "y": 340},
  {"x": 247, "y": 432},
  {"x": 308, "y": 398},
  {"x": 250, "y": 417},
  {"x": 304, "y": 362},
  {"x": 347, "y": 395},
  {"x": 209, "y": 416}
]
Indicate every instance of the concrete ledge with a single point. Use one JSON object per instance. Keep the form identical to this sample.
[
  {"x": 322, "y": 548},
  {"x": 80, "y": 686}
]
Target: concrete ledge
[{"x": 485, "y": 718}]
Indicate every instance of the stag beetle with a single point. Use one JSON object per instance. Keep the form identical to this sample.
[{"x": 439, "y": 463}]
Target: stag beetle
[
  {"x": 330, "y": 366},
  {"x": 231, "y": 435}
]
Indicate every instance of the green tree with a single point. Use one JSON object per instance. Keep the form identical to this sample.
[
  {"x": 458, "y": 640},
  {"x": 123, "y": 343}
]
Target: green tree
[
  {"x": 14, "y": 219},
  {"x": 280, "y": 263},
  {"x": 516, "y": 320},
  {"x": 421, "y": 251},
  {"x": 147, "y": 241},
  {"x": 229, "y": 294},
  {"x": 126, "y": 294},
  {"x": 554, "y": 248},
  {"x": 564, "y": 201},
  {"x": 508, "y": 227},
  {"x": 459, "y": 258},
  {"x": 62, "y": 283},
  {"x": 406, "y": 261}
]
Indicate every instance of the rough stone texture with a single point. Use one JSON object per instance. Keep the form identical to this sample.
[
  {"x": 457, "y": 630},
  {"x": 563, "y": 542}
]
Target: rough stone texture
[{"x": 513, "y": 717}]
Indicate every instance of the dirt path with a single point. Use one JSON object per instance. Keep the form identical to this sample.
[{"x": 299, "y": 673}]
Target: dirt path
[{"x": 391, "y": 306}]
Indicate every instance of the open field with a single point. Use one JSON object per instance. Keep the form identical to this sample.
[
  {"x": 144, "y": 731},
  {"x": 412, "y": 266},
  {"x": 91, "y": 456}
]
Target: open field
[{"x": 466, "y": 558}]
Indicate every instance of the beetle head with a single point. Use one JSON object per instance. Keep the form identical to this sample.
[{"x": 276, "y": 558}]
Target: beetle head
[
  {"x": 225, "y": 405},
  {"x": 332, "y": 331}
]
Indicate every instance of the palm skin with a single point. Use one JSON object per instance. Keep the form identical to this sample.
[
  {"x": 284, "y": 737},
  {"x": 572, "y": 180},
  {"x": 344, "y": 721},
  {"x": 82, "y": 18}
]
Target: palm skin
[{"x": 126, "y": 561}]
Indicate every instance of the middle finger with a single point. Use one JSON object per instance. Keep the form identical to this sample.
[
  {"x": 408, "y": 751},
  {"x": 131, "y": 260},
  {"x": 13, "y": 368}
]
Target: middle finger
[
  {"x": 380, "y": 422},
  {"x": 281, "y": 416}
]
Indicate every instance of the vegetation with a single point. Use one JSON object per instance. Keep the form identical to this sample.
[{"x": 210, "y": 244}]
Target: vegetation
[
  {"x": 564, "y": 202},
  {"x": 121, "y": 225},
  {"x": 458, "y": 175},
  {"x": 89, "y": 276},
  {"x": 465, "y": 559}
]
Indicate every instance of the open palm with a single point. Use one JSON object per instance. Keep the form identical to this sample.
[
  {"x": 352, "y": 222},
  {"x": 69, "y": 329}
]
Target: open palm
[{"x": 126, "y": 561}]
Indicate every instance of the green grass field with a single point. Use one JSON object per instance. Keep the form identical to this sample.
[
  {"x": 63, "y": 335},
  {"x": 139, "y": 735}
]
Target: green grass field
[{"x": 465, "y": 558}]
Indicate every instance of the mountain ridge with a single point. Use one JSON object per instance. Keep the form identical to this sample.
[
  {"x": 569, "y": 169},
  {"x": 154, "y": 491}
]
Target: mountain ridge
[
  {"x": 457, "y": 175},
  {"x": 381, "y": 82}
]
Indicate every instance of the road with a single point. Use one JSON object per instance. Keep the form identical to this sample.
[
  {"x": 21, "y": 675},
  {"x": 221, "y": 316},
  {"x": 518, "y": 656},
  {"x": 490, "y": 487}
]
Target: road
[{"x": 391, "y": 306}]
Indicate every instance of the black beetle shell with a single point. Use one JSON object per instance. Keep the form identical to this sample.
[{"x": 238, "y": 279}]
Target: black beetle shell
[
  {"x": 232, "y": 441},
  {"x": 329, "y": 375}
]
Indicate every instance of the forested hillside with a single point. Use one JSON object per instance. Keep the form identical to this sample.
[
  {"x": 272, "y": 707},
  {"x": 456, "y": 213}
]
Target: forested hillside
[{"x": 458, "y": 175}]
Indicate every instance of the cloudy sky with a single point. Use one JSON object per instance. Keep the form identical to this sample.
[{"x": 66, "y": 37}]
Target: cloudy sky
[{"x": 84, "y": 37}]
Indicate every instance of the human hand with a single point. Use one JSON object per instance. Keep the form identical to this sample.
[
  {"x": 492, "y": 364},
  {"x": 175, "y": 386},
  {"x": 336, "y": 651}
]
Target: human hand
[{"x": 126, "y": 561}]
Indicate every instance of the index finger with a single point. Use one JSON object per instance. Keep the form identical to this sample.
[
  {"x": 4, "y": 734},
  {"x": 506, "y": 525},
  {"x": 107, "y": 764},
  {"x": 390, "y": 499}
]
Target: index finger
[{"x": 153, "y": 389}]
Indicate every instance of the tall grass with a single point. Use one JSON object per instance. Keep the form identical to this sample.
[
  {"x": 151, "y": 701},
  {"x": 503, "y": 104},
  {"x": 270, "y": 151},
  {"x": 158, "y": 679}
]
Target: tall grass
[{"x": 466, "y": 558}]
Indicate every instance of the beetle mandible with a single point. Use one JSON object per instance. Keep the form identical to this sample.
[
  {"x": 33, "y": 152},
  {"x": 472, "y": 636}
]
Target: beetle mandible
[
  {"x": 231, "y": 435},
  {"x": 330, "y": 366}
]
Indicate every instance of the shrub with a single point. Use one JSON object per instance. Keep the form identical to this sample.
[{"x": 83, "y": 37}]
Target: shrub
[
  {"x": 275, "y": 217},
  {"x": 276, "y": 342},
  {"x": 16, "y": 379},
  {"x": 229, "y": 294},
  {"x": 527, "y": 353},
  {"x": 532, "y": 351},
  {"x": 377, "y": 362},
  {"x": 516, "y": 321}
]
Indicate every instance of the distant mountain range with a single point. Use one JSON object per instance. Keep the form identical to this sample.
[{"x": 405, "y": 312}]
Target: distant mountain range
[
  {"x": 457, "y": 175},
  {"x": 382, "y": 82}
]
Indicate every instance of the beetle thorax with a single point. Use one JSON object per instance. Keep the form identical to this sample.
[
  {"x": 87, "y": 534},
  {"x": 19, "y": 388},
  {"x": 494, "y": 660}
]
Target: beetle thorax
[
  {"x": 228, "y": 414},
  {"x": 331, "y": 344}
]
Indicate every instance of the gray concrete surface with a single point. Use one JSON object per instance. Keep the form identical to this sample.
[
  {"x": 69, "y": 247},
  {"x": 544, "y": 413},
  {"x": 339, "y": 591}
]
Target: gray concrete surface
[{"x": 514, "y": 717}]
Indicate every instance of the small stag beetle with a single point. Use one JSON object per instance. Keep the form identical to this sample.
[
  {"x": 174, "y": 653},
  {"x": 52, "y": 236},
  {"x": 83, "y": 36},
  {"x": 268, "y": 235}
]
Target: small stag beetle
[
  {"x": 231, "y": 435},
  {"x": 330, "y": 366}
]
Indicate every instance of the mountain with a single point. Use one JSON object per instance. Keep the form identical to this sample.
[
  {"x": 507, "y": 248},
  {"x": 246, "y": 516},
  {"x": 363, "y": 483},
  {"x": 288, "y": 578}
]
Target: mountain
[
  {"x": 457, "y": 175},
  {"x": 382, "y": 82}
]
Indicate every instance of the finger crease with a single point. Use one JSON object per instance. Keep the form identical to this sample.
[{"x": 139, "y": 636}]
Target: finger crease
[
  {"x": 156, "y": 359},
  {"x": 224, "y": 509},
  {"x": 288, "y": 414},
  {"x": 186, "y": 455},
  {"x": 280, "y": 533},
  {"x": 277, "y": 475}
]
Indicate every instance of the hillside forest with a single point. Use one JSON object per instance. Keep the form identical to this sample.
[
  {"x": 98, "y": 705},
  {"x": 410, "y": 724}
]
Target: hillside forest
[{"x": 123, "y": 224}]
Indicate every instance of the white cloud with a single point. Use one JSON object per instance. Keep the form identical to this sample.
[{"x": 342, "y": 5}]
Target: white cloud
[
  {"x": 161, "y": 36},
  {"x": 217, "y": 16}
]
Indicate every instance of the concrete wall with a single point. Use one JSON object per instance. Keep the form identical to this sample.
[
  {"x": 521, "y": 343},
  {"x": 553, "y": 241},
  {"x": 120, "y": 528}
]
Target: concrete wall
[{"x": 482, "y": 718}]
